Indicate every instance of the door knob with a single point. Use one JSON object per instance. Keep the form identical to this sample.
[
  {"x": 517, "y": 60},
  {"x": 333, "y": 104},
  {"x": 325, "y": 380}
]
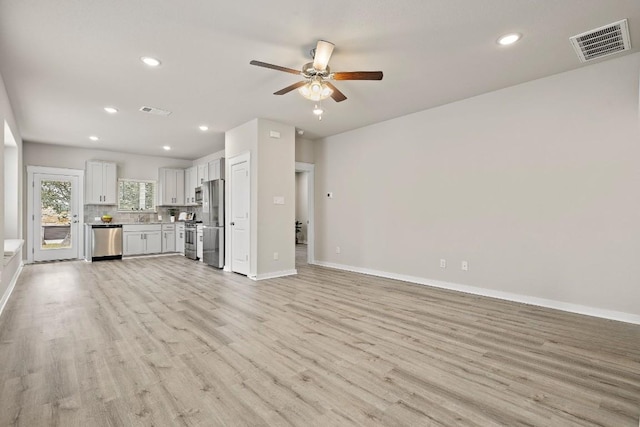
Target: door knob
[{"x": 233, "y": 223}]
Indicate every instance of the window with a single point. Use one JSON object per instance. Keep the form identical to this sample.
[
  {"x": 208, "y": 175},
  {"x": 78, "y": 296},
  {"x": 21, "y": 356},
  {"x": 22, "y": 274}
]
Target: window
[{"x": 136, "y": 195}]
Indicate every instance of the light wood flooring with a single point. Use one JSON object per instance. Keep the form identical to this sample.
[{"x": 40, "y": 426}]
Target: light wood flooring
[{"x": 168, "y": 341}]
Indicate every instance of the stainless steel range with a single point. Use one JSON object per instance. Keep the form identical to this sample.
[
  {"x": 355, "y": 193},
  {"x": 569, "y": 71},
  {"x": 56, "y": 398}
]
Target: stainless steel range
[{"x": 191, "y": 239}]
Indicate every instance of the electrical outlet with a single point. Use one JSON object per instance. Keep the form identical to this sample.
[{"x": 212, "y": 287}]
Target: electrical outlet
[
  {"x": 443, "y": 263},
  {"x": 276, "y": 256},
  {"x": 97, "y": 218},
  {"x": 337, "y": 249},
  {"x": 465, "y": 266}
]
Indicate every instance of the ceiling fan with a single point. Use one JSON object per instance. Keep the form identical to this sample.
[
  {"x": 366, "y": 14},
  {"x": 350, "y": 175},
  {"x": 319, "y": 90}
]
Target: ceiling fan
[{"x": 315, "y": 85}]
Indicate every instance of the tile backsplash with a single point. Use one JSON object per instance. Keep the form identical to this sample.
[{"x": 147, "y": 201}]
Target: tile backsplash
[{"x": 93, "y": 211}]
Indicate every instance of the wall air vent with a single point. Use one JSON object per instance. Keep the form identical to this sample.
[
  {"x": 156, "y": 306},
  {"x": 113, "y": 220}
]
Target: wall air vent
[
  {"x": 156, "y": 111},
  {"x": 603, "y": 41}
]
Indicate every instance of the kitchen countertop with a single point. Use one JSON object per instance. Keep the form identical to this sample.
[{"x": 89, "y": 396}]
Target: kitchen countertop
[{"x": 134, "y": 223}]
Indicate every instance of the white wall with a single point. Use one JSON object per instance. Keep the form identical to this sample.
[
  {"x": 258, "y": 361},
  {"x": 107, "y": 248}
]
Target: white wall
[
  {"x": 131, "y": 166},
  {"x": 276, "y": 177},
  {"x": 536, "y": 186},
  {"x": 302, "y": 213},
  {"x": 305, "y": 150}
]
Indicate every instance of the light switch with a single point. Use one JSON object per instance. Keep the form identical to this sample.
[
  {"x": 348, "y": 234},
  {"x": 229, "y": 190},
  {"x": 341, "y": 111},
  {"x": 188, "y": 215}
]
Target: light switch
[
  {"x": 278, "y": 200},
  {"x": 274, "y": 134}
]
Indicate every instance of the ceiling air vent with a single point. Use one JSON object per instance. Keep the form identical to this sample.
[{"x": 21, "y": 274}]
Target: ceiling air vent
[
  {"x": 156, "y": 111},
  {"x": 603, "y": 41}
]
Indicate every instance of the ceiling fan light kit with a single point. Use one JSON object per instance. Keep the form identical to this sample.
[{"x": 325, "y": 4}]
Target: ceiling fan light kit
[
  {"x": 315, "y": 90},
  {"x": 317, "y": 74}
]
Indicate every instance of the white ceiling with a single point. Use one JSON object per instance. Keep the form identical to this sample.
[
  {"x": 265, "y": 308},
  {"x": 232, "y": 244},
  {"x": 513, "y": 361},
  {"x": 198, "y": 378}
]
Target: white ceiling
[{"x": 63, "y": 61}]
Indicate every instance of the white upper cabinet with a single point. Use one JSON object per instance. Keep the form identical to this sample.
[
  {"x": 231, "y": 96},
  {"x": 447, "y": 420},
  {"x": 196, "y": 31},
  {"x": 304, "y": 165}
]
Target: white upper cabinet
[
  {"x": 203, "y": 174},
  {"x": 216, "y": 169},
  {"x": 100, "y": 183},
  {"x": 171, "y": 187},
  {"x": 190, "y": 184}
]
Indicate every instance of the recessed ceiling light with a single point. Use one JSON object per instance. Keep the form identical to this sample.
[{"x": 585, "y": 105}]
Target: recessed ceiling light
[
  {"x": 508, "y": 39},
  {"x": 111, "y": 110},
  {"x": 94, "y": 138},
  {"x": 166, "y": 148},
  {"x": 203, "y": 128},
  {"x": 151, "y": 62}
]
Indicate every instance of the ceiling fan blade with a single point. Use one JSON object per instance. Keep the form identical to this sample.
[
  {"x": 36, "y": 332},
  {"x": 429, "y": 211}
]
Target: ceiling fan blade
[
  {"x": 322, "y": 55},
  {"x": 336, "y": 95},
  {"x": 290, "y": 88},
  {"x": 358, "y": 75},
  {"x": 275, "y": 67}
]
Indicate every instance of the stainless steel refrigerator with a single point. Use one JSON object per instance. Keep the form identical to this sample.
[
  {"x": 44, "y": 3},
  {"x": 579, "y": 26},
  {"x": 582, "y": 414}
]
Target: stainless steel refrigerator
[{"x": 213, "y": 223}]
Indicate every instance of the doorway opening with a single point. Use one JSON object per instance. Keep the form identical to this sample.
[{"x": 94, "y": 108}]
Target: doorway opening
[{"x": 304, "y": 214}]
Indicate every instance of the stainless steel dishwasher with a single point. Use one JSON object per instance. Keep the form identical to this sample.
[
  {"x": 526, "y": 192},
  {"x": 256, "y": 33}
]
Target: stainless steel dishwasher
[{"x": 106, "y": 241}]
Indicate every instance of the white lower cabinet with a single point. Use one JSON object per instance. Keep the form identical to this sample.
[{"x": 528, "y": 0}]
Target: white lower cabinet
[
  {"x": 133, "y": 243},
  {"x": 153, "y": 242},
  {"x": 199, "y": 234},
  {"x": 168, "y": 238},
  {"x": 141, "y": 239},
  {"x": 180, "y": 238}
]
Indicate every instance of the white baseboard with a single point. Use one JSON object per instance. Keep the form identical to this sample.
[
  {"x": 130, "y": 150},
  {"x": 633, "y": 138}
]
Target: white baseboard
[
  {"x": 274, "y": 275},
  {"x": 541, "y": 302},
  {"x": 12, "y": 284}
]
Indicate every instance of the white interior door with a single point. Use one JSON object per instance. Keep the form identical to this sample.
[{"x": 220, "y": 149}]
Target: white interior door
[
  {"x": 56, "y": 222},
  {"x": 240, "y": 207}
]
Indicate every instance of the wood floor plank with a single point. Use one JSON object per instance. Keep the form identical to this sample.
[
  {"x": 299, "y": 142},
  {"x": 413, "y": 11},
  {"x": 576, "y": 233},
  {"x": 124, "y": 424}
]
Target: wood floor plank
[{"x": 171, "y": 342}]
